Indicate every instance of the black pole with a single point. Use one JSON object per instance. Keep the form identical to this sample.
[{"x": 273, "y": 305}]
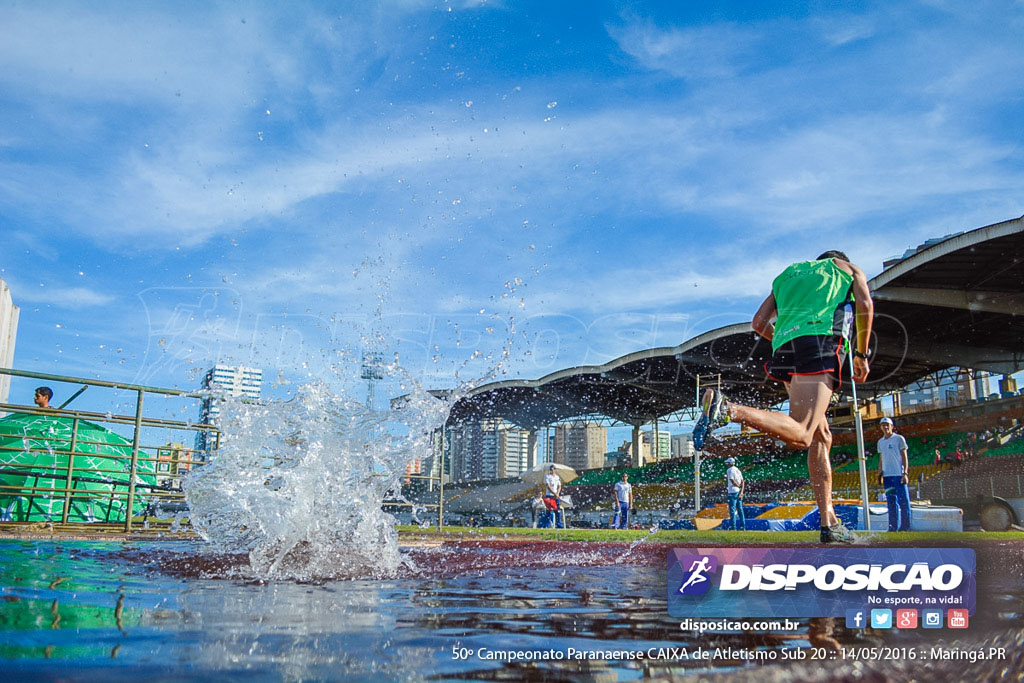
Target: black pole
[{"x": 73, "y": 396}]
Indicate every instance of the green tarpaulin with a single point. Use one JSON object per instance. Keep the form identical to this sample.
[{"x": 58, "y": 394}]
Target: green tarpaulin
[{"x": 31, "y": 457}]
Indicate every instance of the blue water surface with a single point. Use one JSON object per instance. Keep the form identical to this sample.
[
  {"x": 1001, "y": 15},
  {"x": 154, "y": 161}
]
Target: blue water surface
[{"x": 116, "y": 611}]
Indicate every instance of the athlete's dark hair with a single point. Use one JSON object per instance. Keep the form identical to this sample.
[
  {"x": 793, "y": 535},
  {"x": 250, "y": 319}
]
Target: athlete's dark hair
[
  {"x": 45, "y": 391},
  {"x": 834, "y": 253}
]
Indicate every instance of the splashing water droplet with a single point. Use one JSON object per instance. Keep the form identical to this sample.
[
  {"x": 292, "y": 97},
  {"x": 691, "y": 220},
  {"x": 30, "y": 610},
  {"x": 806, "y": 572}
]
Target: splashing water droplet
[{"x": 299, "y": 485}]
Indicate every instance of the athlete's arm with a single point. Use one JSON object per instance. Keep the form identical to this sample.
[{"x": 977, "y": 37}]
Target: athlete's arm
[
  {"x": 762, "y": 322},
  {"x": 865, "y": 312}
]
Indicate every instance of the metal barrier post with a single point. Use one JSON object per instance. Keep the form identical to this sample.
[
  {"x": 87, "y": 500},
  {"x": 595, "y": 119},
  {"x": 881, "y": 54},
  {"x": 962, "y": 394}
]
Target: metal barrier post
[
  {"x": 71, "y": 471},
  {"x": 135, "y": 462},
  {"x": 861, "y": 456},
  {"x": 440, "y": 493}
]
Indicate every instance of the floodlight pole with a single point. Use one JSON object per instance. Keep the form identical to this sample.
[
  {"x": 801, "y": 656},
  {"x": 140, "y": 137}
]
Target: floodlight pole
[
  {"x": 696, "y": 462},
  {"x": 371, "y": 372},
  {"x": 861, "y": 459},
  {"x": 696, "y": 481}
]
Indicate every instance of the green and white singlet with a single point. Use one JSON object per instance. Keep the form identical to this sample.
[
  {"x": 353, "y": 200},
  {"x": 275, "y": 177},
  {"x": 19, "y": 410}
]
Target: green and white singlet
[{"x": 809, "y": 296}]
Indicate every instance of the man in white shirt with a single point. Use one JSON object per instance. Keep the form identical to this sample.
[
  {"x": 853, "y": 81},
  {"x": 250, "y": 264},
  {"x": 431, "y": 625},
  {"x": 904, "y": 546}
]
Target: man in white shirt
[
  {"x": 623, "y": 501},
  {"x": 893, "y": 469},
  {"x": 734, "y": 486},
  {"x": 552, "y": 490}
]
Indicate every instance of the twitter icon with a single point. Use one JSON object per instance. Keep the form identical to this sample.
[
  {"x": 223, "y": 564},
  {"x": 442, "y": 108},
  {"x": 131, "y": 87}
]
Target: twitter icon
[{"x": 881, "y": 618}]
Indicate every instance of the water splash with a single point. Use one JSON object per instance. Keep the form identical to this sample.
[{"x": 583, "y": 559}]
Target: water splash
[
  {"x": 627, "y": 555},
  {"x": 298, "y": 485}
]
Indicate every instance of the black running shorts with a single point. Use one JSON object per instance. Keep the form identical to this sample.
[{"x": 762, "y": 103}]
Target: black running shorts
[{"x": 808, "y": 356}]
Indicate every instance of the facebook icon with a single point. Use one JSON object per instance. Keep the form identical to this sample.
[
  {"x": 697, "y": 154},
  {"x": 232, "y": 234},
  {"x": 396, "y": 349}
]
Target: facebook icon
[{"x": 855, "y": 618}]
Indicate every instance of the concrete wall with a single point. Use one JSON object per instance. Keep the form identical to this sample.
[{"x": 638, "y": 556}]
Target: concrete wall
[{"x": 8, "y": 333}]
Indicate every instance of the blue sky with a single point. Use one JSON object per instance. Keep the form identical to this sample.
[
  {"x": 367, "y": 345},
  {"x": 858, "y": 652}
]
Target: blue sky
[{"x": 284, "y": 185}]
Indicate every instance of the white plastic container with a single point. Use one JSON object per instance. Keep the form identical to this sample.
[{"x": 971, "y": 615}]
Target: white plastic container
[{"x": 922, "y": 518}]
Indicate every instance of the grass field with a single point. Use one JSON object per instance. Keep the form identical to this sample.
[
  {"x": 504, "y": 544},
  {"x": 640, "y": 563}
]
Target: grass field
[
  {"x": 708, "y": 538},
  {"x": 459, "y": 533}
]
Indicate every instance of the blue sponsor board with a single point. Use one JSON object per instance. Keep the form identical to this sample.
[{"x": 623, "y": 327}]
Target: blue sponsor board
[{"x": 817, "y": 581}]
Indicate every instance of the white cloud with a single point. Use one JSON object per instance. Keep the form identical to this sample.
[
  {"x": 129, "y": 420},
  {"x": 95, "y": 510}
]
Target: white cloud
[
  {"x": 843, "y": 170},
  {"x": 39, "y": 247},
  {"x": 63, "y": 297},
  {"x": 74, "y": 52},
  {"x": 728, "y": 147},
  {"x": 644, "y": 289},
  {"x": 844, "y": 29},
  {"x": 701, "y": 52}
]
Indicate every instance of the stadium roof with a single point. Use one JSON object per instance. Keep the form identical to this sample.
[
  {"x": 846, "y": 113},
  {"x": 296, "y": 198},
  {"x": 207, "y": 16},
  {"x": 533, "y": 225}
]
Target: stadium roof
[{"x": 956, "y": 303}]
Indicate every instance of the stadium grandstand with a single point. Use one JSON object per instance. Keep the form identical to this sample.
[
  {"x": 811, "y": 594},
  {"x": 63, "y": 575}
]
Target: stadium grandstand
[
  {"x": 988, "y": 434},
  {"x": 950, "y": 304}
]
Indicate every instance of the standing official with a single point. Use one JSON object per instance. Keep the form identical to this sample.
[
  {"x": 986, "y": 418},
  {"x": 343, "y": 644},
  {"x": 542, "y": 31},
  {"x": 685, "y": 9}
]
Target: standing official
[
  {"x": 734, "y": 485},
  {"x": 893, "y": 469},
  {"x": 552, "y": 491},
  {"x": 623, "y": 501}
]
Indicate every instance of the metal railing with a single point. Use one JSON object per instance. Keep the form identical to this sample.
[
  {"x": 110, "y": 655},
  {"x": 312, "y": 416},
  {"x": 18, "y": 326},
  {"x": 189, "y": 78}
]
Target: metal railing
[
  {"x": 122, "y": 472},
  {"x": 402, "y": 502},
  {"x": 1010, "y": 485}
]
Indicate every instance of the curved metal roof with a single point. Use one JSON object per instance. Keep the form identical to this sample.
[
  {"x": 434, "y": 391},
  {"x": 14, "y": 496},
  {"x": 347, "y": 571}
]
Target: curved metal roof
[{"x": 959, "y": 302}]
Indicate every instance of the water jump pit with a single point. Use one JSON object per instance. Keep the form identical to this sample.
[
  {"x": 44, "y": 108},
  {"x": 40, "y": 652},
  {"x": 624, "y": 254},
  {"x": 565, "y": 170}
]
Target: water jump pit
[
  {"x": 296, "y": 579},
  {"x": 803, "y": 516},
  {"x": 485, "y": 608}
]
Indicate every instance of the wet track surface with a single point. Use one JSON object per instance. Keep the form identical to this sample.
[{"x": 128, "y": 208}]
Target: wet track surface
[{"x": 165, "y": 609}]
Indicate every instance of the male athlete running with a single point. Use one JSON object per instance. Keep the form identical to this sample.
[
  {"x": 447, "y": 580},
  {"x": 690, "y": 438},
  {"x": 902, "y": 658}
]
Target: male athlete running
[{"x": 808, "y": 302}]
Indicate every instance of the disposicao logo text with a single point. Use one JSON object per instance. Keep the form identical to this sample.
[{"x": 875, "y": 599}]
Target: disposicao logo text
[
  {"x": 754, "y": 582},
  {"x": 830, "y": 577}
]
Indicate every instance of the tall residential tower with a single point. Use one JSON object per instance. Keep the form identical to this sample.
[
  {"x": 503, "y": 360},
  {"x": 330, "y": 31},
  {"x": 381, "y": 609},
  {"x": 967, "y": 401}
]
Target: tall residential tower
[{"x": 237, "y": 382}]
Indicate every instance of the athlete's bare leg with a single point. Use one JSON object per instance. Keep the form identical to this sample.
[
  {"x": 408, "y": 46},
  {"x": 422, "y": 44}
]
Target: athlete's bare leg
[
  {"x": 806, "y": 426},
  {"x": 821, "y": 474},
  {"x": 809, "y": 396}
]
